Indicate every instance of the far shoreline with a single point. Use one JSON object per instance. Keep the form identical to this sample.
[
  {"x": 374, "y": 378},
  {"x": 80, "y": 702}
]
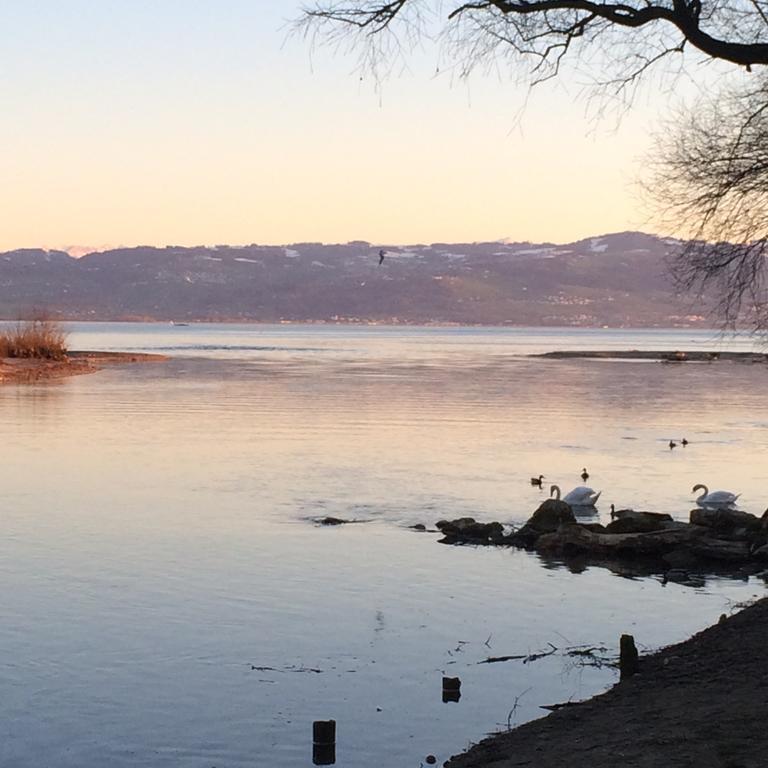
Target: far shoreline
[
  {"x": 385, "y": 323},
  {"x": 664, "y": 356}
]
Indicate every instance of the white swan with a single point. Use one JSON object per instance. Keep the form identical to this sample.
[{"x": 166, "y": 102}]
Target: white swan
[
  {"x": 716, "y": 498},
  {"x": 578, "y": 497}
]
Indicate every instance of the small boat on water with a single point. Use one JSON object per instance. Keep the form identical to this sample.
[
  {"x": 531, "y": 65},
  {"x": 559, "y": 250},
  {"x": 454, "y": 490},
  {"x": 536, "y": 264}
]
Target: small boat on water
[{"x": 173, "y": 322}]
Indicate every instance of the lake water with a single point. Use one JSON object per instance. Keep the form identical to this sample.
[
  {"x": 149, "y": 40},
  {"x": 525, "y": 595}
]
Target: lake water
[{"x": 168, "y": 600}]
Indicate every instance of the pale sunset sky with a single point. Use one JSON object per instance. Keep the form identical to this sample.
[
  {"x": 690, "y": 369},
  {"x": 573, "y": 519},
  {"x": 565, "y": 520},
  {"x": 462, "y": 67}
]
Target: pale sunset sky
[{"x": 198, "y": 122}]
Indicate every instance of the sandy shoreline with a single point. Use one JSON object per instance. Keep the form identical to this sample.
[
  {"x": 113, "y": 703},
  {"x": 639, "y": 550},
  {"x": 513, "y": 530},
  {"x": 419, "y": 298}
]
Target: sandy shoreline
[
  {"x": 699, "y": 703},
  {"x": 30, "y": 370}
]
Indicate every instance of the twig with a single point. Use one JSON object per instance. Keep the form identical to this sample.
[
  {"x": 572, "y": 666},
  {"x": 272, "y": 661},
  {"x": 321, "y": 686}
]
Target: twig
[
  {"x": 514, "y": 708},
  {"x": 495, "y": 659},
  {"x": 541, "y": 655},
  {"x": 585, "y": 655},
  {"x": 291, "y": 668},
  {"x": 526, "y": 657}
]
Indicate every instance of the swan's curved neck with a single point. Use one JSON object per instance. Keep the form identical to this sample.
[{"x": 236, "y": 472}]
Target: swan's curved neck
[
  {"x": 556, "y": 491},
  {"x": 706, "y": 490}
]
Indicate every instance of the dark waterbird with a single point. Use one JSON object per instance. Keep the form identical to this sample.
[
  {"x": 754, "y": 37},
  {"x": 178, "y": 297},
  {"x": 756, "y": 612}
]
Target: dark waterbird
[
  {"x": 584, "y": 474},
  {"x": 537, "y": 480},
  {"x": 672, "y": 444},
  {"x": 382, "y": 254}
]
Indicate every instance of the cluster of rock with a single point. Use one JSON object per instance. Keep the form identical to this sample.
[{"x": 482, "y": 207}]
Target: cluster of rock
[{"x": 722, "y": 536}]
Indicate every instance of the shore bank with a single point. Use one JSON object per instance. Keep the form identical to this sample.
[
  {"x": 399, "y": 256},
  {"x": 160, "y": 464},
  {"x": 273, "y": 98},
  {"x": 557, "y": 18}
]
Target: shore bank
[
  {"x": 699, "y": 703},
  {"x": 31, "y": 370}
]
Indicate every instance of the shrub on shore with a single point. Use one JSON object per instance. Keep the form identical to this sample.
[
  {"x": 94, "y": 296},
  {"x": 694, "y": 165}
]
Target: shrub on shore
[{"x": 40, "y": 338}]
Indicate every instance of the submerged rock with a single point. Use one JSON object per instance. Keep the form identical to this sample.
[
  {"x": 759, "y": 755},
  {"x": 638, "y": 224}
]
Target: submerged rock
[
  {"x": 680, "y": 559},
  {"x": 725, "y": 520},
  {"x": 595, "y": 527},
  {"x": 466, "y": 530},
  {"x": 629, "y": 521},
  {"x": 336, "y": 521},
  {"x": 710, "y": 548},
  {"x": 676, "y": 575}
]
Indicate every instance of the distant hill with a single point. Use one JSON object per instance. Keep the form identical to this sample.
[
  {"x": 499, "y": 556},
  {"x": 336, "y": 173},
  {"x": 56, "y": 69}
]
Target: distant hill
[{"x": 614, "y": 280}]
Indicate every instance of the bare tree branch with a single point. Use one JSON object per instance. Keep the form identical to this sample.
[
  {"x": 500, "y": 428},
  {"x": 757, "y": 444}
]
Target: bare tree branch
[
  {"x": 730, "y": 30},
  {"x": 711, "y": 174}
]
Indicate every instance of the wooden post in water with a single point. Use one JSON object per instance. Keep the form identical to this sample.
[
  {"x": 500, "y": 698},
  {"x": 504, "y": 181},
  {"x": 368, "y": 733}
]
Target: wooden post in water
[
  {"x": 628, "y": 657},
  {"x": 324, "y": 742},
  {"x": 451, "y": 689}
]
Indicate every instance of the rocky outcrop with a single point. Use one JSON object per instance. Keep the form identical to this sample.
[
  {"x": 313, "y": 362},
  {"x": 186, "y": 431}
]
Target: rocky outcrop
[
  {"x": 727, "y": 520},
  {"x": 721, "y": 538},
  {"x": 695, "y": 539},
  {"x": 546, "y": 519}
]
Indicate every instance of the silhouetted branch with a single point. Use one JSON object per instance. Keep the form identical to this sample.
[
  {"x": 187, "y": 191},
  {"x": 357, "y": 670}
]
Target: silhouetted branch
[
  {"x": 712, "y": 177},
  {"x": 544, "y": 30}
]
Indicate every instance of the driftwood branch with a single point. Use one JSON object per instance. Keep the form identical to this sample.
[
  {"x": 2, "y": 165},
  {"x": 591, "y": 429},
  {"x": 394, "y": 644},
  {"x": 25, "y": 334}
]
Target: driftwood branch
[{"x": 587, "y": 655}]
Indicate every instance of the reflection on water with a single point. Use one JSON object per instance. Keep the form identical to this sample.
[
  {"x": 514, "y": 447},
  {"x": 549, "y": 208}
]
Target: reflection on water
[{"x": 169, "y": 601}]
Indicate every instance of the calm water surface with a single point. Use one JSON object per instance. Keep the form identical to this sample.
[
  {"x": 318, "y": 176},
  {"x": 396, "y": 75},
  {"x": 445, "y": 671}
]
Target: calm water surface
[{"x": 158, "y": 541}]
